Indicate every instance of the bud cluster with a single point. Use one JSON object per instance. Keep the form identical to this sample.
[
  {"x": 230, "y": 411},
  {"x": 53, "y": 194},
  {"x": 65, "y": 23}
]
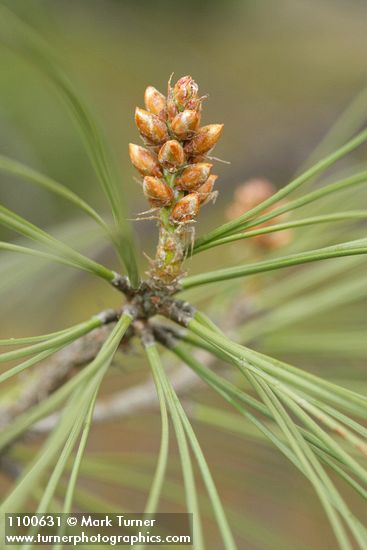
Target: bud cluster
[{"x": 173, "y": 163}]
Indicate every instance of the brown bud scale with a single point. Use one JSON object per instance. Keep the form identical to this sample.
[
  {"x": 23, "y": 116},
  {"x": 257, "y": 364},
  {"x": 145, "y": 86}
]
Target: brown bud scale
[
  {"x": 193, "y": 176},
  {"x": 204, "y": 140},
  {"x": 151, "y": 126},
  {"x": 184, "y": 124},
  {"x": 171, "y": 155},
  {"x": 186, "y": 209},
  {"x": 155, "y": 102},
  {"x": 157, "y": 191},
  {"x": 145, "y": 161}
]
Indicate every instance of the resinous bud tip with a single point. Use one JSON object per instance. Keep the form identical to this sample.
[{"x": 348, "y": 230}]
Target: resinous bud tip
[
  {"x": 205, "y": 190},
  {"x": 155, "y": 102},
  {"x": 185, "y": 90},
  {"x": 193, "y": 176},
  {"x": 157, "y": 191},
  {"x": 144, "y": 161},
  {"x": 151, "y": 126},
  {"x": 171, "y": 155},
  {"x": 204, "y": 139},
  {"x": 184, "y": 124},
  {"x": 186, "y": 209}
]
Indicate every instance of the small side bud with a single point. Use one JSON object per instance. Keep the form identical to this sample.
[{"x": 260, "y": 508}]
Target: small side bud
[
  {"x": 151, "y": 126},
  {"x": 253, "y": 192},
  {"x": 205, "y": 190},
  {"x": 184, "y": 91},
  {"x": 171, "y": 155},
  {"x": 186, "y": 209},
  {"x": 185, "y": 123},
  {"x": 144, "y": 161},
  {"x": 249, "y": 195},
  {"x": 193, "y": 176},
  {"x": 155, "y": 102},
  {"x": 157, "y": 191},
  {"x": 205, "y": 139}
]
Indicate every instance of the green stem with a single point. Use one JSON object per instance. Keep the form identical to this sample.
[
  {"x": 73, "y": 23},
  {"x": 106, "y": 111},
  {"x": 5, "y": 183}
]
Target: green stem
[{"x": 170, "y": 253}]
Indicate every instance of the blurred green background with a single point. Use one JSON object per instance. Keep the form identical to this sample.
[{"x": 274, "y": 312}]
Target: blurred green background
[{"x": 277, "y": 73}]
